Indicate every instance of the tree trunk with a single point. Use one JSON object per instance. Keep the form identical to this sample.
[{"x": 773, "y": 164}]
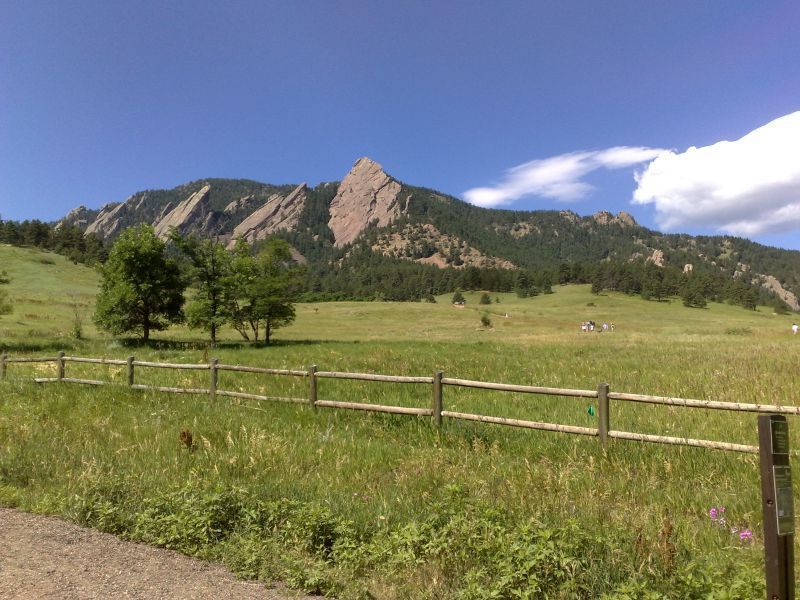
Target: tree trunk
[
  {"x": 146, "y": 329},
  {"x": 213, "y": 334}
]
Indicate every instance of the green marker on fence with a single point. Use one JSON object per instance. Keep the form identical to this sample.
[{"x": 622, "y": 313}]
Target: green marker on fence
[{"x": 590, "y": 411}]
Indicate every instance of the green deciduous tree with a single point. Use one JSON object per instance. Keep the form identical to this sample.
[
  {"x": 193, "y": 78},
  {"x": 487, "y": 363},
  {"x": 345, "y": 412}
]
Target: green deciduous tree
[
  {"x": 262, "y": 289},
  {"x": 211, "y": 274},
  {"x": 140, "y": 289}
]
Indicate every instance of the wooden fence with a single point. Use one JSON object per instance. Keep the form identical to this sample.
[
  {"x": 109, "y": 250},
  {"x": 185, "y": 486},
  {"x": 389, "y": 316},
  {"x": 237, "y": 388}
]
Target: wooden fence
[{"x": 436, "y": 411}]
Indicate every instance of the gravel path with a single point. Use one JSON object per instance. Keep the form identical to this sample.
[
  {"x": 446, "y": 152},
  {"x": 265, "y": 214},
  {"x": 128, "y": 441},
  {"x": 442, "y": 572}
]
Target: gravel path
[{"x": 45, "y": 557}]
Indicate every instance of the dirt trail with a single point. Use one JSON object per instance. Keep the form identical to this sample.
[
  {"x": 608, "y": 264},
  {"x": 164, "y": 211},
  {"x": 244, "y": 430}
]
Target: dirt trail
[{"x": 45, "y": 557}]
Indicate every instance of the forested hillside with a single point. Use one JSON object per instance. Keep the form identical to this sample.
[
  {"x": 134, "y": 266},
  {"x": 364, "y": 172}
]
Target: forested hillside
[{"x": 372, "y": 237}]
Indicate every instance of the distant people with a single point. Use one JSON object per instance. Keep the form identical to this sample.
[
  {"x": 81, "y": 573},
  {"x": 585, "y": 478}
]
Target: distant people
[
  {"x": 612, "y": 325},
  {"x": 605, "y": 326},
  {"x": 795, "y": 328}
]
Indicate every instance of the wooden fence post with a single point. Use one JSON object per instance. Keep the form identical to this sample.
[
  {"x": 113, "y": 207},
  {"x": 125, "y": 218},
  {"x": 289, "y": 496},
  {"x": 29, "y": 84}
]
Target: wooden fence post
[
  {"x": 312, "y": 386},
  {"x": 61, "y": 365},
  {"x": 3, "y": 364},
  {"x": 213, "y": 368},
  {"x": 603, "y": 418},
  {"x": 436, "y": 417},
  {"x": 130, "y": 370},
  {"x": 777, "y": 506}
]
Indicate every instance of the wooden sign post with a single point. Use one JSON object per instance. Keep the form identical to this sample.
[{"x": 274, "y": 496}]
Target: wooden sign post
[{"x": 778, "y": 506}]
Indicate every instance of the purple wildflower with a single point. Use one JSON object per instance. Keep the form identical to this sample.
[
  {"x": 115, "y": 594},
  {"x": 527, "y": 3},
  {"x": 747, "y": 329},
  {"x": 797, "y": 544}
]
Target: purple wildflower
[
  {"x": 745, "y": 534},
  {"x": 713, "y": 513}
]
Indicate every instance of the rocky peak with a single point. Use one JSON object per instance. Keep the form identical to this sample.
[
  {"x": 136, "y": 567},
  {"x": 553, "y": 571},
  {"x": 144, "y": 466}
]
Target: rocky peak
[
  {"x": 277, "y": 213},
  {"x": 367, "y": 195},
  {"x": 79, "y": 217},
  {"x": 192, "y": 211},
  {"x": 569, "y": 216},
  {"x": 604, "y": 217}
]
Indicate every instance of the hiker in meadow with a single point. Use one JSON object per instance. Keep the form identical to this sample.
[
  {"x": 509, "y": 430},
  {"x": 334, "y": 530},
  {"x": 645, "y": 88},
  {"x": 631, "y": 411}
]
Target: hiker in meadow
[{"x": 794, "y": 328}]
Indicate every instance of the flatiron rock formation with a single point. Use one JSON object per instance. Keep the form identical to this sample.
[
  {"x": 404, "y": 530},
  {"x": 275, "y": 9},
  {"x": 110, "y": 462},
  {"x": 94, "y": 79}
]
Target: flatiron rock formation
[
  {"x": 366, "y": 196},
  {"x": 277, "y": 213},
  {"x": 193, "y": 213},
  {"x": 109, "y": 221},
  {"x": 772, "y": 283}
]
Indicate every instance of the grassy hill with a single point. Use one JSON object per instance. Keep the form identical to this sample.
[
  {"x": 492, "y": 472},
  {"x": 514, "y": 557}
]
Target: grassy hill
[
  {"x": 46, "y": 290},
  {"x": 353, "y": 504}
]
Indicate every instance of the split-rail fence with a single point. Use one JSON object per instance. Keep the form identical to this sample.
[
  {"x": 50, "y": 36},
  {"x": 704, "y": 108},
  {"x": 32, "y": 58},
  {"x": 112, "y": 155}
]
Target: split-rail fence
[{"x": 436, "y": 411}]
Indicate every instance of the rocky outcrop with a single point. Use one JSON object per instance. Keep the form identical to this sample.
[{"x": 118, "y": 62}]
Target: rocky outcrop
[
  {"x": 771, "y": 283},
  {"x": 79, "y": 217},
  {"x": 367, "y": 196},
  {"x": 239, "y": 205},
  {"x": 277, "y": 213},
  {"x": 164, "y": 212},
  {"x": 657, "y": 258},
  {"x": 109, "y": 220},
  {"x": 425, "y": 244},
  {"x": 570, "y": 216},
  {"x": 604, "y": 217},
  {"x": 193, "y": 213}
]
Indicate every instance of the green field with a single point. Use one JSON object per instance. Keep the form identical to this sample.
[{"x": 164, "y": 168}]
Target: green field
[{"x": 358, "y": 505}]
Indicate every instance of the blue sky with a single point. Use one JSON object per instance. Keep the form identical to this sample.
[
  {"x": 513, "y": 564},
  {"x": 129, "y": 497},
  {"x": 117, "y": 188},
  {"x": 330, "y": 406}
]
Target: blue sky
[{"x": 533, "y": 101}]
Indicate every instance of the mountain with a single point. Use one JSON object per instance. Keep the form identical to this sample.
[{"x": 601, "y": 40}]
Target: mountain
[{"x": 370, "y": 218}]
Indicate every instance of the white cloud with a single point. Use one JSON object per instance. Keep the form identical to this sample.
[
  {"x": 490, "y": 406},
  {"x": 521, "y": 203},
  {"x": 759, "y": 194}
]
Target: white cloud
[
  {"x": 746, "y": 187},
  {"x": 558, "y": 177}
]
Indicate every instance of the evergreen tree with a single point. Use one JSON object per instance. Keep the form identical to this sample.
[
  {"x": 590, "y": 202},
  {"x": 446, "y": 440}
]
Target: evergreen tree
[
  {"x": 692, "y": 294},
  {"x": 140, "y": 288}
]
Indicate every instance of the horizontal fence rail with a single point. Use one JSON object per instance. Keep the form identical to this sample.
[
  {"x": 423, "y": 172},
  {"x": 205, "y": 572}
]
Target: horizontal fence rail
[
  {"x": 436, "y": 410},
  {"x": 96, "y": 361},
  {"x": 525, "y": 389},
  {"x": 374, "y": 377},
  {"x": 520, "y": 423},
  {"x": 712, "y": 404},
  {"x": 246, "y": 369},
  {"x": 142, "y": 363}
]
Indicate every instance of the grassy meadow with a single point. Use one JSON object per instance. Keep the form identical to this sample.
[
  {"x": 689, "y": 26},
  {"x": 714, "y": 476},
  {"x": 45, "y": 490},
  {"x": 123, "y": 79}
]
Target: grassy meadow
[{"x": 356, "y": 505}]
